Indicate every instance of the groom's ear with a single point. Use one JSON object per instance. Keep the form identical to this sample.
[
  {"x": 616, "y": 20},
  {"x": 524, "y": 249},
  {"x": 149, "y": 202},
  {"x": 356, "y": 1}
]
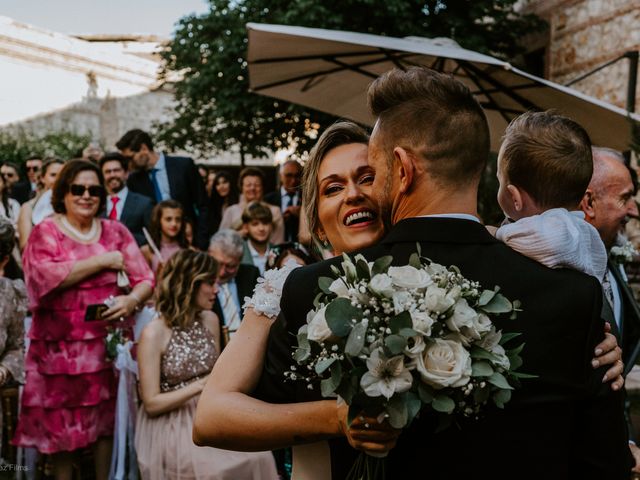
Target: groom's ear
[{"x": 406, "y": 168}]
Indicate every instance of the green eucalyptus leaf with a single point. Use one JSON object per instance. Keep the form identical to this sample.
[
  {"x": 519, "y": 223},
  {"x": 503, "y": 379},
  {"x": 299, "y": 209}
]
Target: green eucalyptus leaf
[
  {"x": 426, "y": 392},
  {"x": 523, "y": 375},
  {"x": 413, "y": 406},
  {"x": 508, "y": 336},
  {"x": 414, "y": 261},
  {"x": 381, "y": 265},
  {"x": 515, "y": 361},
  {"x": 481, "y": 369},
  {"x": 498, "y": 304},
  {"x": 356, "y": 339},
  {"x": 407, "y": 332},
  {"x": 485, "y": 297},
  {"x": 395, "y": 343},
  {"x": 324, "y": 283},
  {"x": 397, "y": 410},
  {"x": 400, "y": 321},
  {"x": 499, "y": 381},
  {"x": 323, "y": 364},
  {"x": 362, "y": 268},
  {"x": 339, "y": 314},
  {"x": 501, "y": 397},
  {"x": 336, "y": 271},
  {"x": 443, "y": 403},
  {"x": 480, "y": 353}
]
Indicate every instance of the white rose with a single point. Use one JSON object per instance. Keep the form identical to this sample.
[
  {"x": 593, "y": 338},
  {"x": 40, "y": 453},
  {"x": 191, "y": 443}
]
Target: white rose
[
  {"x": 422, "y": 322},
  {"x": 381, "y": 284},
  {"x": 409, "y": 277},
  {"x": 482, "y": 324},
  {"x": 339, "y": 288},
  {"x": 455, "y": 293},
  {"x": 436, "y": 299},
  {"x": 317, "y": 329},
  {"x": 415, "y": 347},
  {"x": 463, "y": 319},
  {"x": 401, "y": 301},
  {"x": 444, "y": 363}
]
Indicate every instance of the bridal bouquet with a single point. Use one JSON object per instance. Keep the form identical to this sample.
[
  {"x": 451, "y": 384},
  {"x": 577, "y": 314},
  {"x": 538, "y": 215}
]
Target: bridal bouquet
[{"x": 392, "y": 341}]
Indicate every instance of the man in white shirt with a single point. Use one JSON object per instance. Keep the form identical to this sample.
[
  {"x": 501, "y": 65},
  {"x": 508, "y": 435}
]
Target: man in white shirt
[
  {"x": 130, "y": 208},
  {"x": 288, "y": 198}
]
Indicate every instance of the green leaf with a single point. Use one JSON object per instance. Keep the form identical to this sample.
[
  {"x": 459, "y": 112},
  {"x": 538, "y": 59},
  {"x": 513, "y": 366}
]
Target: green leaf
[
  {"x": 397, "y": 410},
  {"x": 395, "y": 343},
  {"x": 523, "y": 375},
  {"x": 362, "y": 268},
  {"x": 515, "y": 351},
  {"x": 508, "y": 336},
  {"x": 515, "y": 361},
  {"x": 499, "y": 381},
  {"x": 443, "y": 403},
  {"x": 324, "y": 283},
  {"x": 414, "y": 261},
  {"x": 480, "y": 353},
  {"x": 485, "y": 297},
  {"x": 348, "y": 387},
  {"x": 407, "y": 332},
  {"x": 356, "y": 339},
  {"x": 425, "y": 392},
  {"x": 498, "y": 304},
  {"x": 339, "y": 314},
  {"x": 336, "y": 271},
  {"x": 323, "y": 364},
  {"x": 413, "y": 406},
  {"x": 481, "y": 369},
  {"x": 501, "y": 397},
  {"x": 329, "y": 385},
  {"x": 418, "y": 249},
  {"x": 400, "y": 321},
  {"x": 381, "y": 265},
  {"x": 301, "y": 354}
]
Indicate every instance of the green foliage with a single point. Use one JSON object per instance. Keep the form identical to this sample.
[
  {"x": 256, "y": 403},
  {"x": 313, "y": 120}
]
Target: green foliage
[
  {"x": 16, "y": 147},
  {"x": 215, "y": 109}
]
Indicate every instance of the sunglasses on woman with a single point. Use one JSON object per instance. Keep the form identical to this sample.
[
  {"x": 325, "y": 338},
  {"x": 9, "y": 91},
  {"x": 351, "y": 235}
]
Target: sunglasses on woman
[{"x": 94, "y": 190}]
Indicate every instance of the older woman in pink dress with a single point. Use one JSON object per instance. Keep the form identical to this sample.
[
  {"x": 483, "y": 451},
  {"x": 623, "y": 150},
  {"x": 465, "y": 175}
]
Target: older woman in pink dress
[{"x": 71, "y": 262}]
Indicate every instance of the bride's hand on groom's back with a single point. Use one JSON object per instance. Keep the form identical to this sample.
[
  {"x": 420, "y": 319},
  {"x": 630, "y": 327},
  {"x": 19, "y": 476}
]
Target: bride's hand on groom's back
[
  {"x": 365, "y": 433},
  {"x": 608, "y": 353}
]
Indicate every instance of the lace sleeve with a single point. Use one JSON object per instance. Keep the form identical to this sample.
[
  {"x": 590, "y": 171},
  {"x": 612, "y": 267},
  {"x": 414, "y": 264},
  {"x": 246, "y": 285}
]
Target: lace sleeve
[{"x": 268, "y": 291}]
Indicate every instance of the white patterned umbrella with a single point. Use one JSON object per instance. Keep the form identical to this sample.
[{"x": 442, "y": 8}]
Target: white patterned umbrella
[{"x": 330, "y": 71}]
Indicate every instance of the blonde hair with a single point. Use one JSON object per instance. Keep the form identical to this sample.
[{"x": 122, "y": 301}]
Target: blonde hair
[
  {"x": 179, "y": 283},
  {"x": 338, "y": 134}
]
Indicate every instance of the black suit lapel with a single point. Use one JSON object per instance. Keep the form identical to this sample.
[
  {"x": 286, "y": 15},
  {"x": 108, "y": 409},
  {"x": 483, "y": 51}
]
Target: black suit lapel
[
  {"x": 127, "y": 208},
  {"x": 630, "y": 319},
  {"x": 139, "y": 182},
  {"x": 172, "y": 176}
]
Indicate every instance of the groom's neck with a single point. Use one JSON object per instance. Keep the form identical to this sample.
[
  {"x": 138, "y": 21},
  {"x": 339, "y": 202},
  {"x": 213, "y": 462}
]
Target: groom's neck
[{"x": 436, "y": 201}]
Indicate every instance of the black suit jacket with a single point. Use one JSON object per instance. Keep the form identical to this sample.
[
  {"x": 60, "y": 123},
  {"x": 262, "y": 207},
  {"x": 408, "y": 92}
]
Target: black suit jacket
[
  {"x": 246, "y": 280},
  {"x": 136, "y": 213},
  {"x": 291, "y": 224},
  {"x": 564, "y": 424},
  {"x": 21, "y": 192},
  {"x": 629, "y": 337},
  {"x": 185, "y": 186}
]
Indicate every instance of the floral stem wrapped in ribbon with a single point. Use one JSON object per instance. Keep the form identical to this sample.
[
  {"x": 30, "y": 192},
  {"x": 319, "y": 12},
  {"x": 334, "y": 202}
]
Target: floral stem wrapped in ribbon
[{"x": 394, "y": 341}]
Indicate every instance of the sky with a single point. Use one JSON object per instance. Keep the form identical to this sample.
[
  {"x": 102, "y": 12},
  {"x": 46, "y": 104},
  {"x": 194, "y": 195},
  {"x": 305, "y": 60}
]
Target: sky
[{"x": 155, "y": 17}]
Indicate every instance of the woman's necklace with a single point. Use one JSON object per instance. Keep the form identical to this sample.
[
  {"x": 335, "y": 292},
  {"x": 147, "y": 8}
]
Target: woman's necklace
[{"x": 85, "y": 237}]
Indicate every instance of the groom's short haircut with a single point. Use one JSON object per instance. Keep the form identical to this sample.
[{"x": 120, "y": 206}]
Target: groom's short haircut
[
  {"x": 435, "y": 117},
  {"x": 548, "y": 156}
]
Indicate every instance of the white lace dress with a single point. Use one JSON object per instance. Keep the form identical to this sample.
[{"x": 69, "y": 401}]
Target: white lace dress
[{"x": 310, "y": 461}]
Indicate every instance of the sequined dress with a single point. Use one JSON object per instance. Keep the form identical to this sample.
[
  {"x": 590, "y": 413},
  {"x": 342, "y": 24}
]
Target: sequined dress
[{"x": 164, "y": 444}]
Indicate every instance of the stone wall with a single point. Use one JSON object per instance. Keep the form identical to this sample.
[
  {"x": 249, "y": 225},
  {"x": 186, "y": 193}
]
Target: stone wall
[{"x": 587, "y": 33}]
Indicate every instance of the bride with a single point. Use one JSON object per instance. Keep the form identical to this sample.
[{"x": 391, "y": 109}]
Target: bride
[{"x": 341, "y": 212}]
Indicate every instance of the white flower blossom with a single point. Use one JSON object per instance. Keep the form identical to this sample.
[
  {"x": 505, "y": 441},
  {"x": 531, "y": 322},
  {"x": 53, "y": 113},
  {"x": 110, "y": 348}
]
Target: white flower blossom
[
  {"x": 436, "y": 299},
  {"x": 409, "y": 277},
  {"x": 386, "y": 376},
  {"x": 381, "y": 284},
  {"x": 339, "y": 288},
  {"x": 444, "y": 363},
  {"x": 317, "y": 328}
]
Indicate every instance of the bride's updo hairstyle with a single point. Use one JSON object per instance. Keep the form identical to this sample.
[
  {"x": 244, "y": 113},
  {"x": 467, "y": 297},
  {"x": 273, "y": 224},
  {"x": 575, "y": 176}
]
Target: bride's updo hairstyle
[
  {"x": 339, "y": 134},
  {"x": 179, "y": 283}
]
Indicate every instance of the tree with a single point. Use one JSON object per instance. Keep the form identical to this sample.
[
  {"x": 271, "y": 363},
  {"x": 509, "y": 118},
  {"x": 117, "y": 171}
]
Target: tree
[
  {"x": 17, "y": 146},
  {"x": 215, "y": 110}
]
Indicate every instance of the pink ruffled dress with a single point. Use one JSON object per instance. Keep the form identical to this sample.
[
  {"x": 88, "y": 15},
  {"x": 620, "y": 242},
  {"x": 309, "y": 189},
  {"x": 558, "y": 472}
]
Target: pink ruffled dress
[{"x": 69, "y": 396}]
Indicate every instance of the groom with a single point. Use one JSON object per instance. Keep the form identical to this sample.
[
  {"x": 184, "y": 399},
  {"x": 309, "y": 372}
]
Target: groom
[{"x": 429, "y": 148}]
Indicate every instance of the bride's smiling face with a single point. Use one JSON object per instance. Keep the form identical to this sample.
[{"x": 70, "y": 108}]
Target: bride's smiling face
[{"x": 347, "y": 211}]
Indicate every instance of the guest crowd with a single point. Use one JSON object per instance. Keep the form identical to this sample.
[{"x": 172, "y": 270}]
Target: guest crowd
[{"x": 165, "y": 252}]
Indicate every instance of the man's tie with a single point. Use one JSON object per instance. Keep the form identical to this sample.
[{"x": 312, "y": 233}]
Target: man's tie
[
  {"x": 288, "y": 200},
  {"x": 113, "y": 214},
  {"x": 153, "y": 175},
  {"x": 229, "y": 309},
  {"x": 608, "y": 291}
]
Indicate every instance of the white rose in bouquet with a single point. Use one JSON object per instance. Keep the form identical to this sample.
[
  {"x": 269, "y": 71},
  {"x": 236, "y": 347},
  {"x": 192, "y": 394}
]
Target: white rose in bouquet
[
  {"x": 381, "y": 284},
  {"x": 401, "y": 301},
  {"x": 414, "y": 348},
  {"x": 491, "y": 343},
  {"x": 436, "y": 299},
  {"x": 444, "y": 363},
  {"x": 409, "y": 277},
  {"x": 339, "y": 288},
  {"x": 422, "y": 322},
  {"x": 317, "y": 328},
  {"x": 463, "y": 320}
]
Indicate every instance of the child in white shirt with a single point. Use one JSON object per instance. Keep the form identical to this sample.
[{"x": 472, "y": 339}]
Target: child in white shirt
[{"x": 544, "y": 168}]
